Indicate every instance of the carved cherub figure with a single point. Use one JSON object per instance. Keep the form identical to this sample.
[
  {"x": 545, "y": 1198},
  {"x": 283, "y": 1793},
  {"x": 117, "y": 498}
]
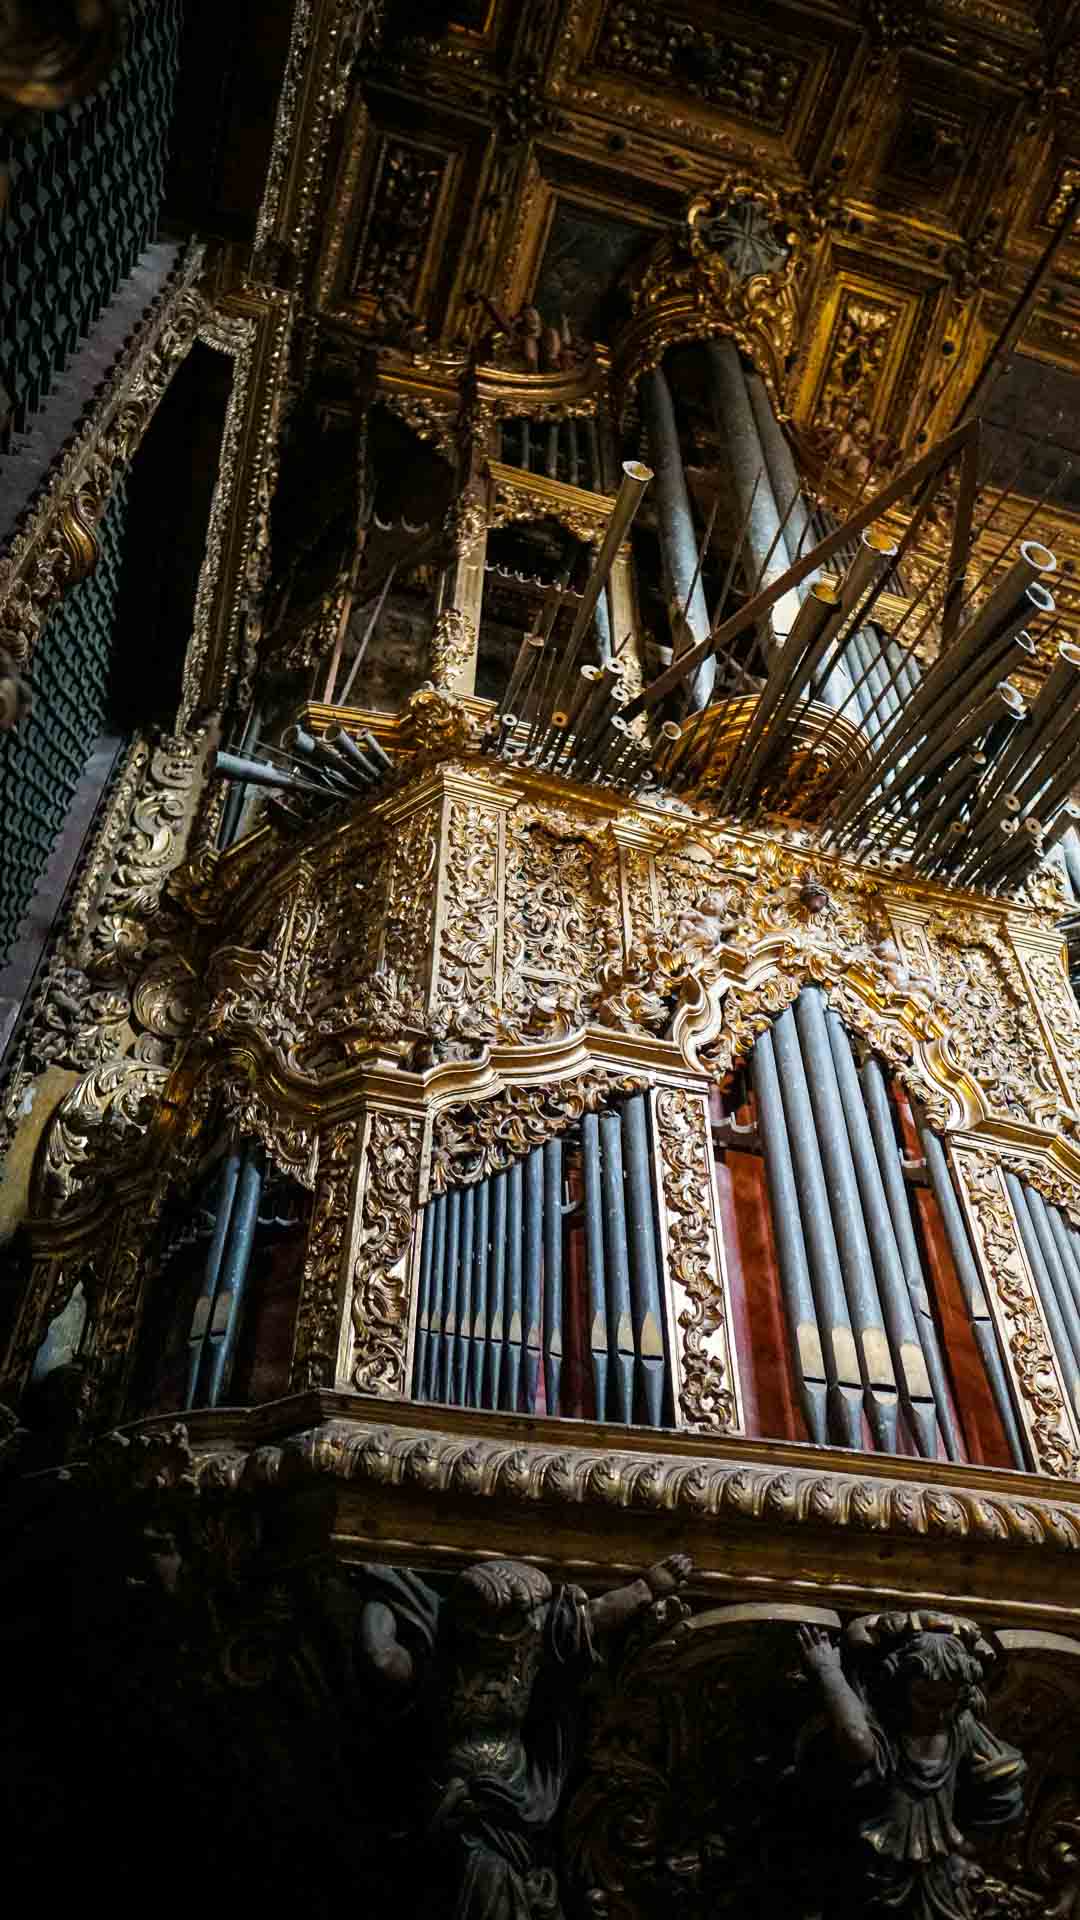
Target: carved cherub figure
[
  {"x": 914, "y": 1761},
  {"x": 491, "y": 1674}
]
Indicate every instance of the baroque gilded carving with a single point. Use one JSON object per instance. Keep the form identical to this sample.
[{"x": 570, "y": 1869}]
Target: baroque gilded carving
[
  {"x": 315, "y": 1342},
  {"x": 97, "y": 1134},
  {"x": 453, "y": 646},
  {"x": 1031, "y": 1359},
  {"x": 707, "y": 1395},
  {"x": 800, "y": 1499},
  {"x": 738, "y": 265},
  {"x": 749, "y": 79},
  {"x": 119, "y": 976},
  {"x": 379, "y": 1307},
  {"x": 473, "y": 1139}
]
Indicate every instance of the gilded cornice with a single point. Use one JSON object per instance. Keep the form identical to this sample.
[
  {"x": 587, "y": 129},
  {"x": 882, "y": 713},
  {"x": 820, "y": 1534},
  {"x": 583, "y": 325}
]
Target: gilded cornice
[
  {"x": 55, "y": 542},
  {"x": 449, "y": 1480}
]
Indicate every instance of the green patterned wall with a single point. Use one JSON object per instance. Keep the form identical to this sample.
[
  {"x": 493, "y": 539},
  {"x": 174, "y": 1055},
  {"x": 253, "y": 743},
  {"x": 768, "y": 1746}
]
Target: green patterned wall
[
  {"x": 43, "y": 759},
  {"x": 84, "y": 195}
]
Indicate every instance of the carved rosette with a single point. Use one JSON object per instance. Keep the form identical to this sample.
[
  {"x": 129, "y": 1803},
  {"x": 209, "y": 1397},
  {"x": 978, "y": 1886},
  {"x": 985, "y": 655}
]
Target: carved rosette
[
  {"x": 379, "y": 1305},
  {"x": 318, "y": 1318},
  {"x": 1016, "y": 1310},
  {"x": 739, "y": 265},
  {"x": 694, "y": 1261}
]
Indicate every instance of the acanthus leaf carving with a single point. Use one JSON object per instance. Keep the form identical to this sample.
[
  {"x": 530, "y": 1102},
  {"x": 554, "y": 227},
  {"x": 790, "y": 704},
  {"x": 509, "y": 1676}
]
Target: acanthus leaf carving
[
  {"x": 473, "y": 1139},
  {"x": 1032, "y": 1360},
  {"x": 380, "y": 1300}
]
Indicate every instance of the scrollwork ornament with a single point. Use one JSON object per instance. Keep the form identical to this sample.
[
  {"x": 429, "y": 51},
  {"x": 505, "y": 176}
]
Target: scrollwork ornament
[
  {"x": 473, "y": 1139},
  {"x": 316, "y": 1339},
  {"x": 1032, "y": 1358},
  {"x": 707, "y": 1395},
  {"x": 97, "y": 1133},
  {"x": 453, "y": 647},
  {"x": 380, "y": 1298}
]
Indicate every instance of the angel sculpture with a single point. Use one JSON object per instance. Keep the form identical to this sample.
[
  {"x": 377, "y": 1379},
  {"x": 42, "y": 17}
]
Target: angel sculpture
[
  {"x": 488, "y": 1679},
  {"x": 905, "y": 1739}
]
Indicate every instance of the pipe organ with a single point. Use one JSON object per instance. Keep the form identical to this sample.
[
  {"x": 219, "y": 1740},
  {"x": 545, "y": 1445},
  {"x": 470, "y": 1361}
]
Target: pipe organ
[{"x": 540, "y": 1163}]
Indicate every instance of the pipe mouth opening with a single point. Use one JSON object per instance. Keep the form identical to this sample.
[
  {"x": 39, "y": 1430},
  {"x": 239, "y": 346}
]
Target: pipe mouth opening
[
  {"x": 880, "y": 540},
  {"x": 637, "y": 470},
  {"x": 1012, "y": 697},
  {"x": 671, "y": 730},
  {"x": 1069, "y": 650},
  {"x": 1040, "y": 597},
  {"x": 1012, "y": 804},
  {"x": 826, "y": 591},
  {"x": 1039, "y": 556},
  {"x": 1026, "y": 644}
]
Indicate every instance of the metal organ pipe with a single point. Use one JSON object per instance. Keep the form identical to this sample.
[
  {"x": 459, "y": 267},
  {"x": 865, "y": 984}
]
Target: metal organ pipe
[
  {"x": 646, "y": 1310},
  {"x": 971, "y": 1281},
  {"x": 594, "y": 1259},
  {"x": 834, "y": 1320},
  {"x": 500, "y": 1184},
  {"x": 532, "y": 1274},
  {"x": 515, "y": 1236},
  {"x": 860, "y": 1281},
  {"x": 230, "y": 1174},
  {"x": 553, "y": 1274},
  {"x": 220, "y": 1342},
  {"x": 879, "y": 1112},
  {"x": 676, "y": 522},
  {"x": 479, "y": 1331},
  {"x": 795, "y": 1282},
  {"x": 617, "y": 1269},
  {"x": 909, "y": 1360}
]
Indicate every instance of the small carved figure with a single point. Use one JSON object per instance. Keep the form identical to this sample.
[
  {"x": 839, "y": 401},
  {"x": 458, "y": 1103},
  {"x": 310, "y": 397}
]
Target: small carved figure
[
  {"x": 491, "y": 1674},
  {"x": 904, "y": 1735}
]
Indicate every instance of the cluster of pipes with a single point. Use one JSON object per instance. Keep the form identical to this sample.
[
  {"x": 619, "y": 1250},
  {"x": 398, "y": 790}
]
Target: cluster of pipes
[
  {"x": 492, "y": 1300},
  {"x": 855, "y": 1291},
  {"x": 564, "y": 717},
  {"x": 972, "y": 782},
  {"x": 318, "y": 772},
  {"x": 567, "y": 450},
  {"x": 216, "y": 1320}
]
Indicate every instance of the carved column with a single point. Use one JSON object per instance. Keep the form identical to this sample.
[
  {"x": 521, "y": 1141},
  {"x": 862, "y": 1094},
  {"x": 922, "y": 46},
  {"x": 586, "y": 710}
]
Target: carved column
[
  {"x": 374, "y": 1332},
  {"x": 1039, "y": 1392},
  {"x": 456, "y": 636},
  {"x": 678, "y": 541},
  {"x": 700, "y": 1333}
]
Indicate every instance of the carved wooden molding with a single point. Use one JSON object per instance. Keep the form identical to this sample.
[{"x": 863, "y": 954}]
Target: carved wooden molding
[{"x": 55, "y": 544}]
